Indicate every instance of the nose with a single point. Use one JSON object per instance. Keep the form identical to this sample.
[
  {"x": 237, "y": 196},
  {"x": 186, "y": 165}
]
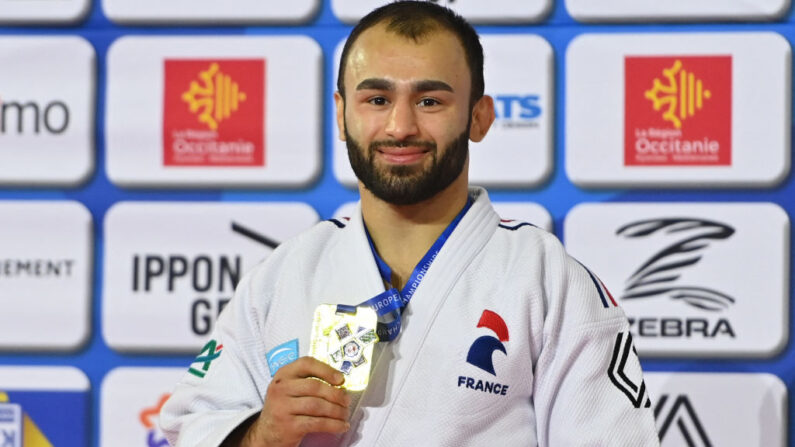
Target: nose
[{"x": 402, "y": 122}]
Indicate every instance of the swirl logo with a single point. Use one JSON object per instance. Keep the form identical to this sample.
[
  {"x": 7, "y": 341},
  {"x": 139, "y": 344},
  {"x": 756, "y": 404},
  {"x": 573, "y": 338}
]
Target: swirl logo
[{"x": 660, "y": 274}]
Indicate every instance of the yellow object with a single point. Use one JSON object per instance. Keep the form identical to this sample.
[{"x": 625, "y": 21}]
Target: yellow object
[
  {"x": 216, "y": 97},
  {"x": 687, "y": 95},
  {"x": 345, "y": 340},
  {"x": 31, "y": 434}
]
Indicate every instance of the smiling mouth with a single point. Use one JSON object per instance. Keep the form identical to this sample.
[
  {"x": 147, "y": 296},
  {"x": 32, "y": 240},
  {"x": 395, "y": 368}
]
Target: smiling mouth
[{"x": 403, "y": 155}]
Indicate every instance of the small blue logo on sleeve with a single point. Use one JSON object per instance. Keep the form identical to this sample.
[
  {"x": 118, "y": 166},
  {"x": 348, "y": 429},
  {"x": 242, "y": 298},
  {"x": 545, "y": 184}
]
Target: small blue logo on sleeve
[{"x": 281, "y": 355}]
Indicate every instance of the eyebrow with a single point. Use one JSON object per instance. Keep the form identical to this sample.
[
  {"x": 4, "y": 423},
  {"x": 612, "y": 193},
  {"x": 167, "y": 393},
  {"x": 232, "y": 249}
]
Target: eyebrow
[{"x": 417, "y": 87}]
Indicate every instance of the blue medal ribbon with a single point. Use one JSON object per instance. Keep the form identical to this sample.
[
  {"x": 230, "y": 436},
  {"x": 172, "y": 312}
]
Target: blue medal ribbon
[{"x": 394, "y": 301}]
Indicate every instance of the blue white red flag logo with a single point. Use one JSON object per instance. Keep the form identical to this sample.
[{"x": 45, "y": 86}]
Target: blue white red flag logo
[{"x": 480, "y": 353}]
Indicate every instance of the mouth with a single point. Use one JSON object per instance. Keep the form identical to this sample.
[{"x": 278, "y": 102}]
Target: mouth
[{"x": 402, "y": 155}]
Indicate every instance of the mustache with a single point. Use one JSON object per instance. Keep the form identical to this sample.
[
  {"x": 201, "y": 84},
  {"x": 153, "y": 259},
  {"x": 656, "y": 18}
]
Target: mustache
[{"x": 430, "y": 145}]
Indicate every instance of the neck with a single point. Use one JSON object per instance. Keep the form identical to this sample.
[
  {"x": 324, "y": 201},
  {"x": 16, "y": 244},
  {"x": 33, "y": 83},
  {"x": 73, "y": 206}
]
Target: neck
[{"x": 402, "y": 234}]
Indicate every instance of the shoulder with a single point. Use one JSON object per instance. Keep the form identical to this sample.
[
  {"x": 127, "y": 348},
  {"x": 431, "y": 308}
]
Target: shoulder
[
  {"x": 300, "y": 252},
  {"x": 569, "y": 286},
  {"x": 522, "y": 240},
  {"x": 315, "y": 239}
]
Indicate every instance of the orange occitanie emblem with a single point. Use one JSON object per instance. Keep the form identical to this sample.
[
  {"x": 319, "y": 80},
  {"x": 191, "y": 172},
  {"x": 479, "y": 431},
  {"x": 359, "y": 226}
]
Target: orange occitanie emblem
[
  {"x": 680, "y": 97},
  {"x": 215, "y": 97},
  {"x": 148, "y": 414}
]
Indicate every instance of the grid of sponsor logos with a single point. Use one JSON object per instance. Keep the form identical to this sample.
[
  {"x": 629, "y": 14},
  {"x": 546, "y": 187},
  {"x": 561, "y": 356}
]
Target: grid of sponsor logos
[{"x": 152, "y": 152}]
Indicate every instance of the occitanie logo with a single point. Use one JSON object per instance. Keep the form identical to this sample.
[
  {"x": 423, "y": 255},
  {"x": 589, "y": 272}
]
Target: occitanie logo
[
  {"x": 215, "y": 97},
  {"x": 214, "y": 112},
  {"x": 677, "y": 110},
  {"x": 680, "y": 96}
]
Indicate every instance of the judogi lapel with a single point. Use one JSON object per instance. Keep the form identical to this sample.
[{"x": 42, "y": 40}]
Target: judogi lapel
[{"x": 397, "y": 359}]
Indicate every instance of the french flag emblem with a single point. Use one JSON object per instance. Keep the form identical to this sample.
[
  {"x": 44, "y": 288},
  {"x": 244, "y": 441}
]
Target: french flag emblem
[{"x": 480, "y": 353}]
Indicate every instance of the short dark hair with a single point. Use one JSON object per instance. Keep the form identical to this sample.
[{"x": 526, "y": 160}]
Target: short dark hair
[{"x": 415, "y": 20}]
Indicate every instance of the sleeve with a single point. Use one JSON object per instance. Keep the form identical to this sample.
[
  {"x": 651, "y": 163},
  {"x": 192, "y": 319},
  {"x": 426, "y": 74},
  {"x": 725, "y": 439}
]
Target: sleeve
[
  {"x": 589, "y": 388},
  {"x": 225, "y": 384}
]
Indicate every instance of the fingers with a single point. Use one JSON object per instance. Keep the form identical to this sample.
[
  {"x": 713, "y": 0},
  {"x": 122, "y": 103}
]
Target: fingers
[
  {"x": 303, "y": 387},
  {"x": 317, "y": 407},
  {"x": 296, "y": 403},
  {"x": 309, "y": 424},
  {"x": 312, "y": 367}
]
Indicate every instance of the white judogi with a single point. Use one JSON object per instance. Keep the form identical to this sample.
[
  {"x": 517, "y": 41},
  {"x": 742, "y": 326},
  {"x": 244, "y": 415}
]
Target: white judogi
[{"x": 568, "y": 375}]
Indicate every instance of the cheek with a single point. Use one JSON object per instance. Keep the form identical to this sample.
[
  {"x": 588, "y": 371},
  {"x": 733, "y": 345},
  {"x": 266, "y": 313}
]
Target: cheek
[
  {"x": 448, "y": 130},
  {"x": 351, "y": 122},
  {"x": 363, "y": 127}
]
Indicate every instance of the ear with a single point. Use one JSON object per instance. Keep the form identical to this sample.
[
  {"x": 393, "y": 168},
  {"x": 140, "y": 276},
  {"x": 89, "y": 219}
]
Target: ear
[
  {"x": 340, "y": 103},
  {"x": 482, "y": 118}
]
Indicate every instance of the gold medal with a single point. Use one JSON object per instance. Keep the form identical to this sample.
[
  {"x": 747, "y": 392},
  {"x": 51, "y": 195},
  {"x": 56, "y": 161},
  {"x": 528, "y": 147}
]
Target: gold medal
[{"x": 343, "y": 337}]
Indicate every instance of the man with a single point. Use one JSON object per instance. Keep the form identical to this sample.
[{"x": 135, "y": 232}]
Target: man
[{"x": 505, "y": 338}]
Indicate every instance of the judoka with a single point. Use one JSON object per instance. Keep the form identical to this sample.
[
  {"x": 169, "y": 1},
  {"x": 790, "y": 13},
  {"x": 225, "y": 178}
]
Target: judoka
[{"x": 489, "y": 332}]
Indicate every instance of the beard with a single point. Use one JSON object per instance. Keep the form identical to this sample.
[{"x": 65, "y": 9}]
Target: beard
[{"x": 407, "y": 185}]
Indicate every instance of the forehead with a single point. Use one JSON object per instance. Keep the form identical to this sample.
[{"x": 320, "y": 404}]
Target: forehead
[{"x": 379, "y": 53}]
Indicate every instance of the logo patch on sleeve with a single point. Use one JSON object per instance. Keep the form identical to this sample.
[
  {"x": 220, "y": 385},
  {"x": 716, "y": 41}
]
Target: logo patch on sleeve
[
  {"x": 282, "y": 355},
  {"x": 210, "y": 352},
  {"x": 625, "y": 372}
]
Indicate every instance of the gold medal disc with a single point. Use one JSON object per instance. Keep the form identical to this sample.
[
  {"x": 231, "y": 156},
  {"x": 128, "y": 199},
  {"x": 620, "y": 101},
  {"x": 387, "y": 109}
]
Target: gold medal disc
[{"x": 345, "y": 340}]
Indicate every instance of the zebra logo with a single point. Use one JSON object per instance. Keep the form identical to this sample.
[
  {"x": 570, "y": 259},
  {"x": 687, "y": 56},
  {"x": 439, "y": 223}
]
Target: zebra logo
[{"x": 659, "y": 275}]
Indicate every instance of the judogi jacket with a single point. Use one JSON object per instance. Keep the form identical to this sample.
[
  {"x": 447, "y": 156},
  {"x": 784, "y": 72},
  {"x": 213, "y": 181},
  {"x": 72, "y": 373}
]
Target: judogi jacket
[{"x": 507, "y": 341}]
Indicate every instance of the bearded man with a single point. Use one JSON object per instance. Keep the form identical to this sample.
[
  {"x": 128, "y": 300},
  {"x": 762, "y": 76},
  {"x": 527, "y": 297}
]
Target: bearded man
[{"x": 488, "y": 333}]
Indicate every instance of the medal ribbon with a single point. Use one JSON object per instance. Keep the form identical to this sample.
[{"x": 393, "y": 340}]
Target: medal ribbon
[{"x": 394, "y": 301}]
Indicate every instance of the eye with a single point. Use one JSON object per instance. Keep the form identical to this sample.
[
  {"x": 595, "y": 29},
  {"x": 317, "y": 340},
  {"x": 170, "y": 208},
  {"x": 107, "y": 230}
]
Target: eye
[
  {"x": 428, "y": 102},
  {"x": 377, "y": 101}
]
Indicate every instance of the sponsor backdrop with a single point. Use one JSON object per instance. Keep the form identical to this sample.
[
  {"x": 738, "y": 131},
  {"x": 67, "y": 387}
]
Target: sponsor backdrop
[{"x": 152, "y": 152}]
